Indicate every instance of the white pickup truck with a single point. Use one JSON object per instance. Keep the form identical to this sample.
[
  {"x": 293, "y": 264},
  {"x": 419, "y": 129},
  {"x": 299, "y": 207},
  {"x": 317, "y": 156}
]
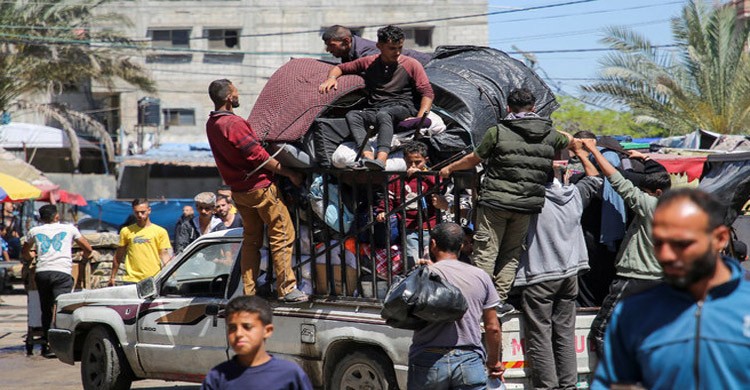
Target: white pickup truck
[{"x": 170, "y": 327}]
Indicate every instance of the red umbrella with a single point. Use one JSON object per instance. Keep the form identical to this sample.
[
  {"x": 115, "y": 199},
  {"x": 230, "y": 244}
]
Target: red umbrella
[{"x": 62, "y": 196}]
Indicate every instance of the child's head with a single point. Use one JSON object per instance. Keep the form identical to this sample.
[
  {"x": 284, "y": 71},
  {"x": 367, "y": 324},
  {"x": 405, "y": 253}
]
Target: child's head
[
  {"x": 415, "y": 154},
  {"x": 249, "y": 324},
  {"x": 655, "y": 183},
  {"x": 48, "y": 213}
]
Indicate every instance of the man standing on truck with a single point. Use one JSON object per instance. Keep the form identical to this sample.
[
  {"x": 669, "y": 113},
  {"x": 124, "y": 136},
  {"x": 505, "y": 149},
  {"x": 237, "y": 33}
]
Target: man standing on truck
[
  {"x": 54, "y": 261},
  {"x": 144, "y": 246},
  {"x": 249, "y": 170},
  {"x": 548, "y": 277},
  {"x": 517, "y": 156},
  {"x": 451, "y": 355},
  {"x": 341, "y": 43},
  {"x": 394, "y": 84},
  {"x": 693, "y": 331}
]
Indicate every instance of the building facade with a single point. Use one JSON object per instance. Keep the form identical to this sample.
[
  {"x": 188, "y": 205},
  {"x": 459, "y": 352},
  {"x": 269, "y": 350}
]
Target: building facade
[{"x": 192, "y": 43}]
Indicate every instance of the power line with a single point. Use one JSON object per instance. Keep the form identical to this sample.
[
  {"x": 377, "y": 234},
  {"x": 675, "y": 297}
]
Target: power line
[
  {"x": 570, "y": 33},
  {"x": 585, "y": 13}
]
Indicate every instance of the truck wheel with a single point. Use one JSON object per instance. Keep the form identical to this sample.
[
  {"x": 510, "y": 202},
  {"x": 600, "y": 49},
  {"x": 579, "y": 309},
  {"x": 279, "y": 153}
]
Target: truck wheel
[
  {"x": 103, "y": 364},
  {"x": 364, "y": 370}
]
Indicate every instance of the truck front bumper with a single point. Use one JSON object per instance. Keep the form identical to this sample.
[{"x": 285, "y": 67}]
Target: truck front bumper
[{"x": 61, "y": 343}]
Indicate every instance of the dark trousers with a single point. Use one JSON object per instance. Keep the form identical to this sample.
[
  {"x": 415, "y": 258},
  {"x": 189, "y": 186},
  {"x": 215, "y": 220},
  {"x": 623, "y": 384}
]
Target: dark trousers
[
  {"x": 620, "y": 289},
  {"x": 382, "y": 118},
  {"x": 549, "y": 312},
  {"x": 50, "y": 285}
]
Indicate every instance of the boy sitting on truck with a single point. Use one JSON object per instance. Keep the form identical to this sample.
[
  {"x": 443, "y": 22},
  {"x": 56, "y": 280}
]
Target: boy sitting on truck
[
  {"x": 249, "y": 324},
  {"x": 415, "y": 156}
]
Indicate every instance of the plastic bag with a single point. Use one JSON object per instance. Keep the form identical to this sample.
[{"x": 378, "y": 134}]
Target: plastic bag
[{"x": 422, "y": 297}]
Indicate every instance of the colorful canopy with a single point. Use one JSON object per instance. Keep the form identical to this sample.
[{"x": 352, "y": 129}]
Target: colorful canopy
[{"x": 14, "y": 190}]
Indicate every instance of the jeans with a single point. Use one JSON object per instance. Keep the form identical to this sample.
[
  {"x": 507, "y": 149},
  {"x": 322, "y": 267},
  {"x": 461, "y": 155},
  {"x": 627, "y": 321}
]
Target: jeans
[
  {"x": 383, "y": 118},
  {"x": 259, "y": 207},
  {"x": 50, "y": 285},
  {"x": 449, "y": 369},
  {"x": 497, "y": 245},
  {"x": 412, "y": 246},
  {"x": 549, "y": 311}
]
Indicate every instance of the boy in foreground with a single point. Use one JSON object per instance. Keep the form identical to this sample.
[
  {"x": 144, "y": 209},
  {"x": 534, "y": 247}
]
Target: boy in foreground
[{"x": 248, "y": 326}]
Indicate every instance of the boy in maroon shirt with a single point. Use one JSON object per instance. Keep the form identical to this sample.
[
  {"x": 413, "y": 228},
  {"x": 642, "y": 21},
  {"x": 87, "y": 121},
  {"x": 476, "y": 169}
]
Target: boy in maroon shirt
[
  {"x": 248, "y": 169},
  {"x": 392, "y": 82}
]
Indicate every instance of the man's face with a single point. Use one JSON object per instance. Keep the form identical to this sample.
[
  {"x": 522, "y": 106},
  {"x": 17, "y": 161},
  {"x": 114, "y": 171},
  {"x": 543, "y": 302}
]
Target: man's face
[
  {"x": 246, "y": 333},
  {"x": 389, "y": 51},
  {"x": 205, "y": 210},
  {"x": 222, "y": 208},
  {"x": 339, "y": 48},
  {"x": 234, "y": 96},
  {"x": 141, "y": 212},
  {"x": 684, "y": 246},
  {"x": 187, "y": 211},
  {"x": 415, "y": 160}
]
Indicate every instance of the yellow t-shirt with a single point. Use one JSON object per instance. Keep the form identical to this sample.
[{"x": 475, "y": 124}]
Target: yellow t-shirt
[{"x": 144, "y": 245}]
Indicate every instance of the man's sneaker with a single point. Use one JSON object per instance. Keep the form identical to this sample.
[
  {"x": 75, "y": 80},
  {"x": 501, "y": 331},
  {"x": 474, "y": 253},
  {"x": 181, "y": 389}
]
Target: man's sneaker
[
  {"x": 295, "y": 296},
  {"x": 373, "y": 164},
  {"x": 504, "y": 308}
]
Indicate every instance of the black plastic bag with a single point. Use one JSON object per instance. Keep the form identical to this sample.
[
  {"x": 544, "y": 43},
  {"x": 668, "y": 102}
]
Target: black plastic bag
[{"x": 422, "y": 297}]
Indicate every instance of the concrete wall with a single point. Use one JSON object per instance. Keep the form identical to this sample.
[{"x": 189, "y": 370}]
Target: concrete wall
[{"x": 91, "y": 186}]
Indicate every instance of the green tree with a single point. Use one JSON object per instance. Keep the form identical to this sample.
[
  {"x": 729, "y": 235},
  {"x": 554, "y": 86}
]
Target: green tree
[
  {"x": 47, "y": 46},
  {"x": 704, "y": 83},
  {"x": 574, "y": 115}
]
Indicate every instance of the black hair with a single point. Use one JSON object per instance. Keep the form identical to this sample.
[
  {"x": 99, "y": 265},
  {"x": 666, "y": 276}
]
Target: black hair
[
  {"x": 414, "y": 147},
  {"x": 223, "y": 197},
  {"x": 520, "y": 99},
  {"x": 712, "y": 206},
  {"x": 336, "y": 32},
  {"x": 391, "y": 34},
  {"x": 655, "y": 181},
  {"x": 224, "y": 187},
  {"x": 251, "y": 304},
  {"x": 448, "y": 237},
  {"x": 47, "y": 213},
  {"x": 138, "y": 202},
  {"x": 218, "y": 91},
  {"x": 584, "y": 134}
]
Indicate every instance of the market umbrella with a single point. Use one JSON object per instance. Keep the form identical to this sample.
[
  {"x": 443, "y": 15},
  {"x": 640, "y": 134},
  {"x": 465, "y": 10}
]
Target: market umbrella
[
  {"x": 62, "y": 196},
  {"x": 13, "y": 190}
]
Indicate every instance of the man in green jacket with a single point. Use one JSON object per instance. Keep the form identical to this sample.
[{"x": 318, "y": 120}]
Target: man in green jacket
[{"x": 517, "y": 156}]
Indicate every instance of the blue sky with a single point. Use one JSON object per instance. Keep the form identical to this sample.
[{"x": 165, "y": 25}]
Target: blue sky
[{"x": 578, "y": 26}]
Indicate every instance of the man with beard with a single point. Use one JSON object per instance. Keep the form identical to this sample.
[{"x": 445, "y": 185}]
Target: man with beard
[
  {"x": 693, "y": 330},
  {"x": 249, "y": 171}
]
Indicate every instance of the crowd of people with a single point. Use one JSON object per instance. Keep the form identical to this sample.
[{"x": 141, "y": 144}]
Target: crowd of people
[{"x": 537, "y": 229}]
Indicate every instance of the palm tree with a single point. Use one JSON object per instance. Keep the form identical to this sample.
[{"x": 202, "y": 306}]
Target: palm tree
[
  {"x": 47, "y": 46},
  {"x": 703, "y": 83}
]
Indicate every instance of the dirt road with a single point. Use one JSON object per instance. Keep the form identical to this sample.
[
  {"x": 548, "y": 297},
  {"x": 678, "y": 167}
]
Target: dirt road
[{"x": 19, "y": 371}]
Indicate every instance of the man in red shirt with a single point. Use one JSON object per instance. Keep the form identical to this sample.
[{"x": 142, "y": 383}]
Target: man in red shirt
[
  {"x": 393, "y": 83},
  {"x": 248, "y": 169}
]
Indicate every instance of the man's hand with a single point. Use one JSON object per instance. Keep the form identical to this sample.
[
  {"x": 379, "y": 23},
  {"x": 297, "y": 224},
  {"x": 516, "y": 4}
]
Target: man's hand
[
  {"x": 445, "y": 173},
  {"x": 412, "y": 170},
  {"x": 297, "y": 178},
  {"x": 111, "y": 282},
  {"x": 330, "y": 83},
  {"x": 638, "y": 155},
  {"x": 589, "y": 144},
  {"x": 496, "y": 371},
  {"x": 439, "y": 202},
  {"x": 380, "y": 217}
]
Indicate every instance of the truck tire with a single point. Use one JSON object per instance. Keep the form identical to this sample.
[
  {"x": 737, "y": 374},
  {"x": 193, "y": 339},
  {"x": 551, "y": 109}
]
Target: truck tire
[
  {"x": 103, "y": 364},
  {"x": 364, "y": 370}
]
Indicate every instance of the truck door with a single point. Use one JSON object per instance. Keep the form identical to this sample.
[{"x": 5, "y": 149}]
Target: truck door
[{"x": 176, "y": 338}]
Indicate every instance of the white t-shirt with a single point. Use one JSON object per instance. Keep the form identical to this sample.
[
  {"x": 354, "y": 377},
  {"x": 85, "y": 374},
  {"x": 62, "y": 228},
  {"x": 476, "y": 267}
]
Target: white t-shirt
[{"x": 54, "y": 243}]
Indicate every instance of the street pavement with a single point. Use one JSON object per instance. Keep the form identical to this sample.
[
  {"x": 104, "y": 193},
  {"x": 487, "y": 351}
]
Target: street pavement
[{"x": 18, "y": 371}]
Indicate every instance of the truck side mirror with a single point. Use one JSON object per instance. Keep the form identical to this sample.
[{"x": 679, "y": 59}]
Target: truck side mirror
[{"x": 146, "y": 288}]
